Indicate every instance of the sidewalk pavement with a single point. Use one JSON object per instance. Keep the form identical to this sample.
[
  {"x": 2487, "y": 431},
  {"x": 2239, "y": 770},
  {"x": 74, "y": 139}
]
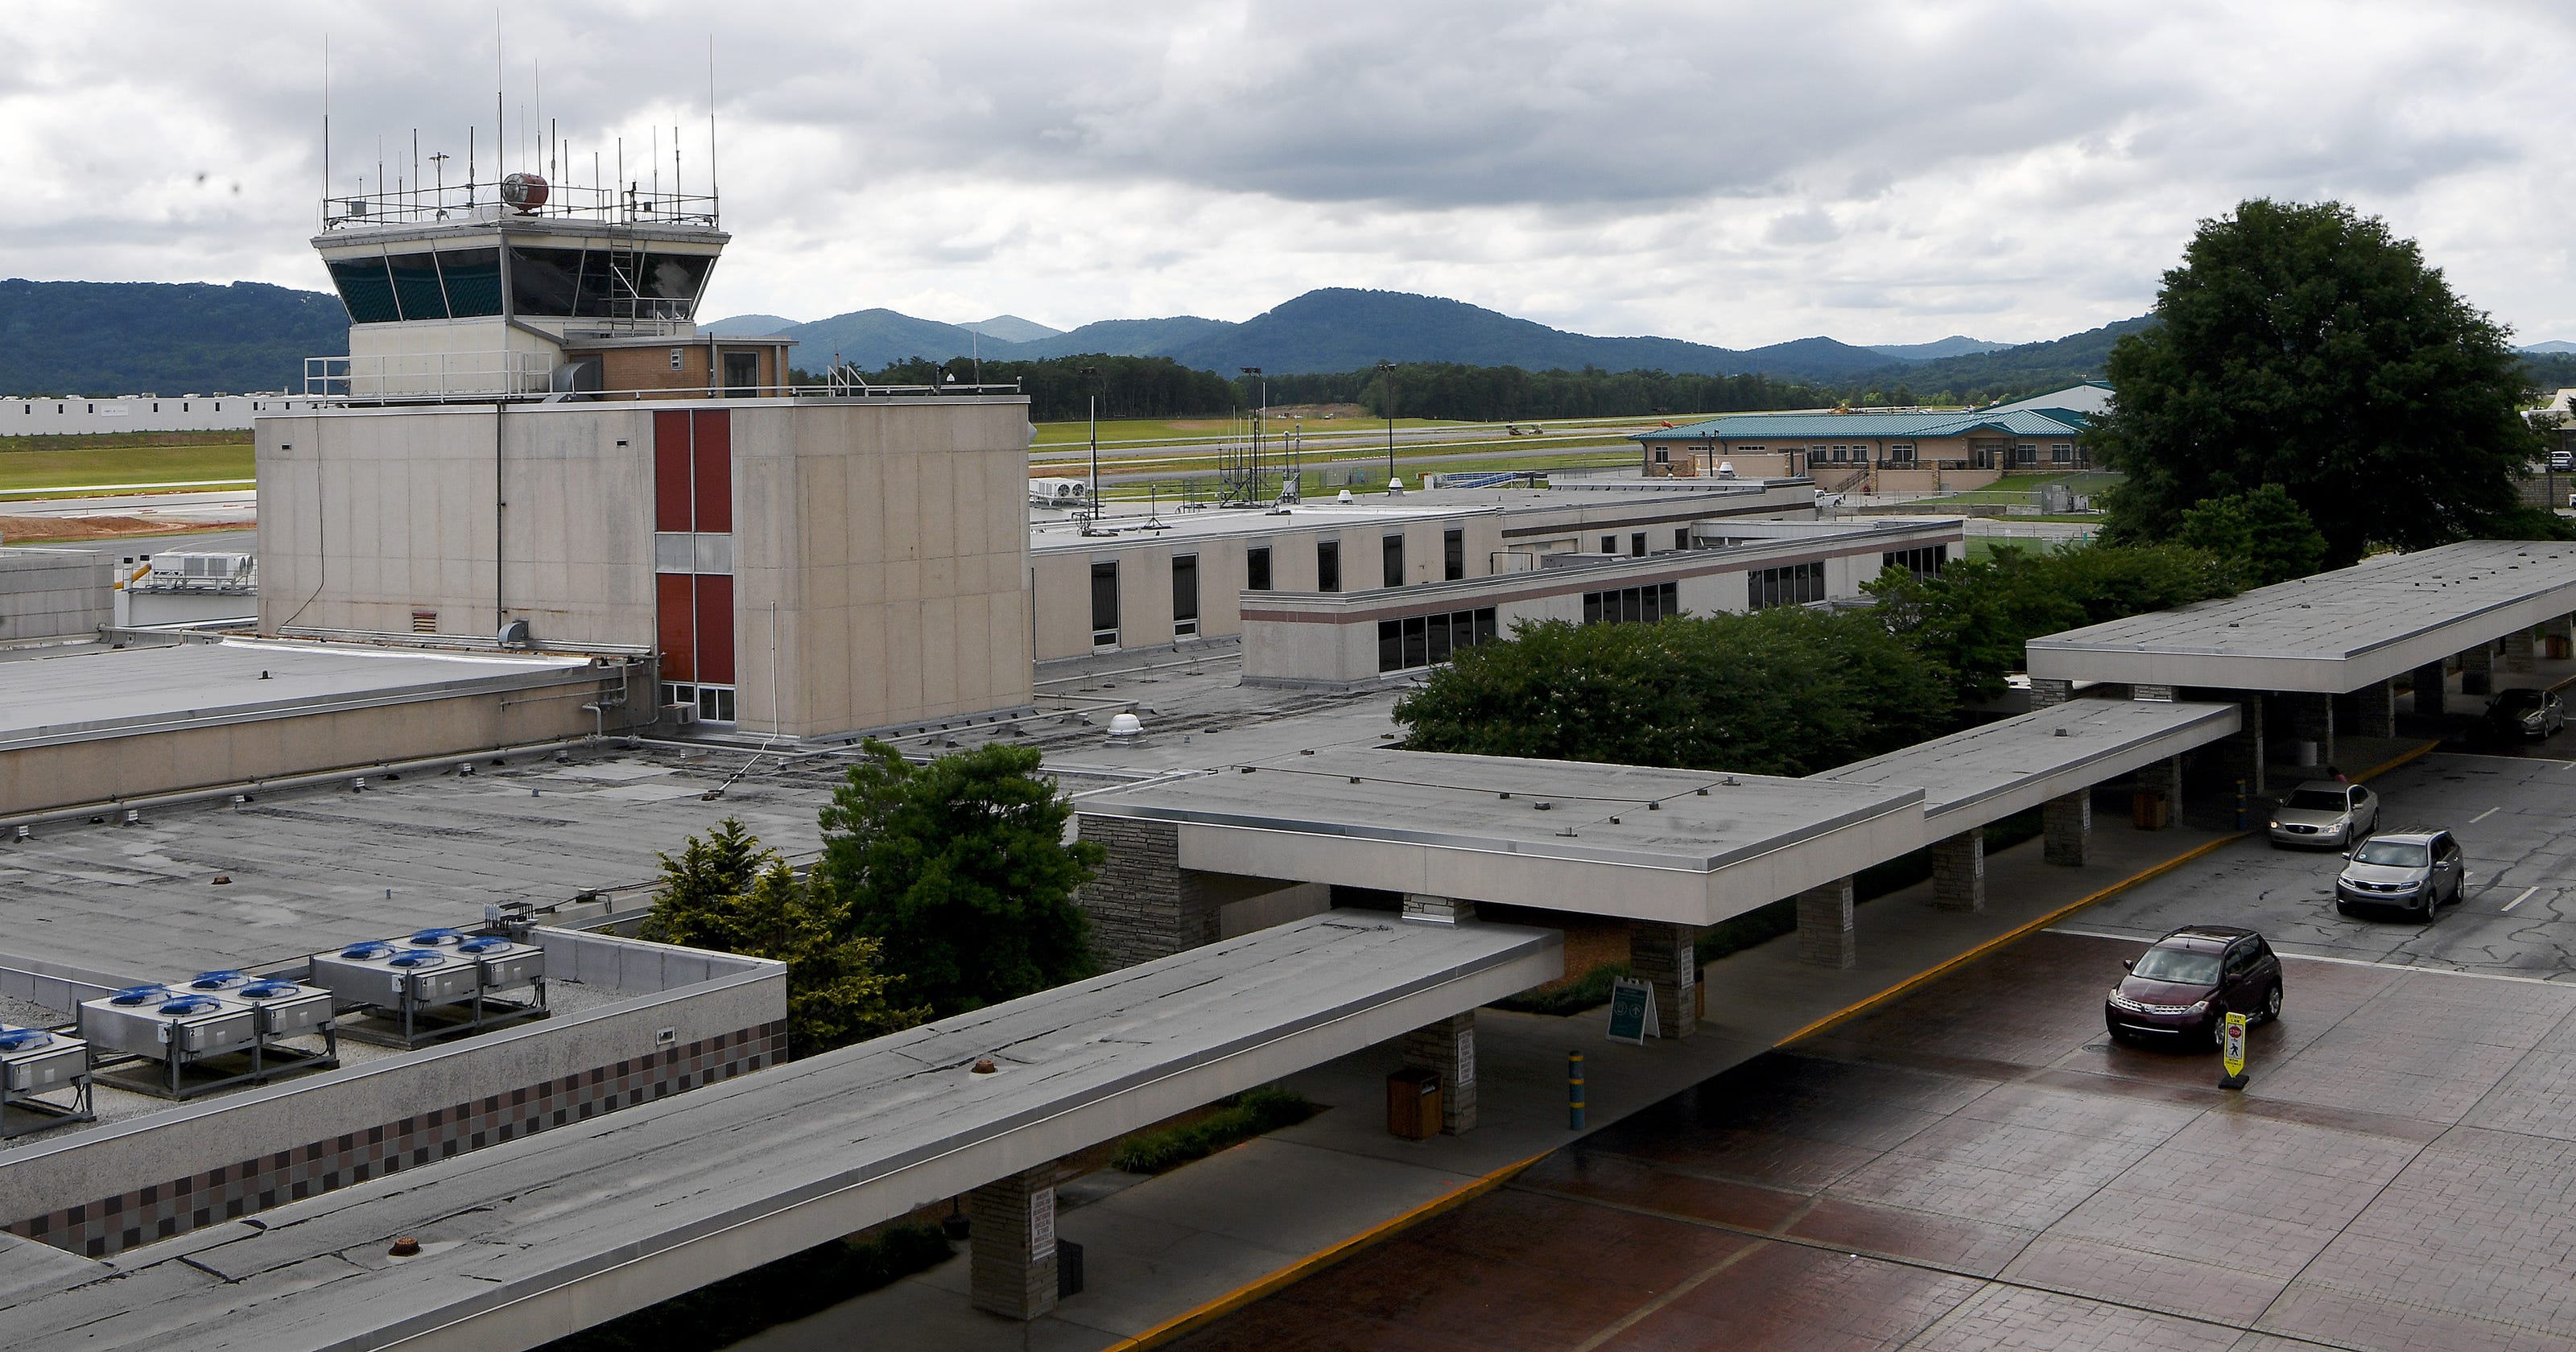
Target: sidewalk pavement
[{"x": 1158, "y": 1251}]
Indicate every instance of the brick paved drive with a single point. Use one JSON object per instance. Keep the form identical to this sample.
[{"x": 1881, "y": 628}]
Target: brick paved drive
[{"x": 1976, "y": 1167}]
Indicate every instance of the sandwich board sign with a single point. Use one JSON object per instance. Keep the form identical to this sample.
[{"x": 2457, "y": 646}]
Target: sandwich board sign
[
  {"x": 1632, "y": 1011},
  {"x": 2231, "y": 1051}
]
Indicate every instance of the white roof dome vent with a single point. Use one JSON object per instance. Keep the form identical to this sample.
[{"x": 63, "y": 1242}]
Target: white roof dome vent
[{"x": 1126, "y": 725}]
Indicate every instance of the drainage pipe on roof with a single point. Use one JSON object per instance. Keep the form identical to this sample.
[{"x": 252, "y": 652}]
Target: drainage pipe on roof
[{"x": 284, "y": 783}]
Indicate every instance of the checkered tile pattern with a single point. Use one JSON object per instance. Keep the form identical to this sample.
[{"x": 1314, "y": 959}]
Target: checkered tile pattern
[{"x": 160, "y": 1210}]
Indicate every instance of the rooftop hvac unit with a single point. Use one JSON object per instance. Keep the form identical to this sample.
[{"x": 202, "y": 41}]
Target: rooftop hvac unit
[
  {"x": 214, "y": 1030},
  {"x": 44, "y": 1080},
  {"x": 433, "y": 984}
]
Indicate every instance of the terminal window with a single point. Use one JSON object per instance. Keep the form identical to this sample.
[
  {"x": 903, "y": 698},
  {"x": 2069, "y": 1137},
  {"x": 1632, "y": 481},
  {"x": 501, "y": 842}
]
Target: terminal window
[
  {"x": 1631, "y": 605},
  {"x": 1921, "y": 562},
  {"x": 1428, "y": 640},
  {"x": 1185, "y": 595},
  {"x": 1256, "y": 569},
  {"x": 1453, "y": 555},
  {"x": 1393, "y": 548},
  {"x": 1794, "y": 584},
  {"x": 1328, "y": 565}
]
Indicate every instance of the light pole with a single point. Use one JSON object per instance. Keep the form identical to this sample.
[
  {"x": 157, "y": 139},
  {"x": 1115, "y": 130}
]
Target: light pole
[
  {"x": 1252, "y": 491},
  {"x": 1386, "y": 377},
  {"x": 1091, "y": 379}
]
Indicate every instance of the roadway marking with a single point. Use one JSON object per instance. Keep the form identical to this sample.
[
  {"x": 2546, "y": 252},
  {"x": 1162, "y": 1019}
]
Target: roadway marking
[
  {"x": 2486, "y": 814},
  {"x": 2082, "y": 933},
  {"x": 2526, "y": 896}
]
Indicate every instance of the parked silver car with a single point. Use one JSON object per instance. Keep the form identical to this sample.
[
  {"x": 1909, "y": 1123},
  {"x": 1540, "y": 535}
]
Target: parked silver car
[
  {"x": 2415, "y": 871},
  {"x": 2324, "y": 812}
]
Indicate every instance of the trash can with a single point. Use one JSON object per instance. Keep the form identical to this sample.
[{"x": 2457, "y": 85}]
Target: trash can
[
  {"x": 1413, "y": 1103},
  {"x": 2557, "y": 646},
  {"x": 2150, "y": 810},
  {"x": 1068, "y": 1269}
]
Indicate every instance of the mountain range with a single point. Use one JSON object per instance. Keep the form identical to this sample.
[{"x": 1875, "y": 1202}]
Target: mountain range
[{"x": 1336, "y": 329}]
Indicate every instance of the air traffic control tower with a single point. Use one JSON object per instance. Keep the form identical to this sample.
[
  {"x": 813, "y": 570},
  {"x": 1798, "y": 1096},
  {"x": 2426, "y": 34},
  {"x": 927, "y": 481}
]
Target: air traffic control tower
[{"x": 531, "y": 444}]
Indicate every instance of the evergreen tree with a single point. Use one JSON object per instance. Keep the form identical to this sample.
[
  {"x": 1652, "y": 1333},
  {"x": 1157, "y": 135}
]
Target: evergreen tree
[{"x": 960, "y": 869}]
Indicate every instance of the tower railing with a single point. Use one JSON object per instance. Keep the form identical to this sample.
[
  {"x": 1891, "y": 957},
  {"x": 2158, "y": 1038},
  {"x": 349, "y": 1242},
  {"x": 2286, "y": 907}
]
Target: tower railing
[{"x": 610, "y": 205}]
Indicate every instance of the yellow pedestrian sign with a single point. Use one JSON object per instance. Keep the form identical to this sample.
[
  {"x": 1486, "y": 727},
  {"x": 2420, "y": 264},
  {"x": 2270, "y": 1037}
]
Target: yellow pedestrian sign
[{"x": 2231, "y": 1051}]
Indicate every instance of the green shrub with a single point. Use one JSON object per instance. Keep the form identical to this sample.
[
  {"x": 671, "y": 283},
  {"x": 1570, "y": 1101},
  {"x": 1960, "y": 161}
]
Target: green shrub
[
  {"x": 1587, "y": 991},
  {"x": 1245, "y": 1116},
  {"x": 726, "y": 1312}
]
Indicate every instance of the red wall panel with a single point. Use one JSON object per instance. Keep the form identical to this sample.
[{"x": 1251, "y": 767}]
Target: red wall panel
[
  {"x": 715, "y": 628},
  {"x": 671, "y": 471},
  {"x": 675, "y": 624},
  {"x": 714, "y": 462}
]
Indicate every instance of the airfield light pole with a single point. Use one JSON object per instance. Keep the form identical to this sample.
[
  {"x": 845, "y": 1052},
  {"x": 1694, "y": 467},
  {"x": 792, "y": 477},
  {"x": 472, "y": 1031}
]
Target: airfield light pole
[
  {"x": 1386, "y": 379},
  {"x": 1252, "y": 490},
  {"x": 1091, "y": 379}
]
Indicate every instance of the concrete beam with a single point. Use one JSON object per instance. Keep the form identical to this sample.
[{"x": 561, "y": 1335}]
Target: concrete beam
[
  {"x": 1447, "y": 1048},
  {"x": 2068, "y": 825},
  {"x": 1667, "y": 955},
  {"x": 1959, "y": 871},
  {"x": 1011, "y": 1243},
  {"x": 1825, "y": 937}
]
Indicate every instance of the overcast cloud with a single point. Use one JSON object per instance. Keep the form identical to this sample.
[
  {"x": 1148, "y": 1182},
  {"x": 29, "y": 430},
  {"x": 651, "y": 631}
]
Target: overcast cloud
[{"x": 1735, "y": 173}]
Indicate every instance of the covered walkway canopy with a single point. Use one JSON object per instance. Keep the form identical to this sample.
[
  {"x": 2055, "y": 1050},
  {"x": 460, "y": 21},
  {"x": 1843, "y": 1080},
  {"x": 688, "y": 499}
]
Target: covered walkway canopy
[
  {"x": 525, "y": 1242},
  {"x": 1985, "y": 774}
]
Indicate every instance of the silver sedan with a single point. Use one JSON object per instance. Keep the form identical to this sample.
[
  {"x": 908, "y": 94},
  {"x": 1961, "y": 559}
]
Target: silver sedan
[{"x": 2324, "y": 812}]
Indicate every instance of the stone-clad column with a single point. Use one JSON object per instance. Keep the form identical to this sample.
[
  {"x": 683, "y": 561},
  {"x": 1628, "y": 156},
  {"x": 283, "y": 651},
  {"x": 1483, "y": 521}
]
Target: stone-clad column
[
  {"x": 2375, "y": 710},
  {"x": 1668, "y": 956},
  {"x": 2242, "y": 753},
  {"x": 1431, "y": 910},
  {"x": 1011, "y": 1244},
  {"x": 1959, "y": 871},
  {"x": 2477, "y": 670},
  {"x": 2068, "y": 825},
  {"x": 1447, "y": 1048},
  {"x": 2312, "y": 720},
  {"x": 1144, "y": 905},
  {"x": 1825, "y": 936},
  {"x": 2518, "y": 653},
  {"x": 2165, "y": 777},
  {"x": 2431, "y": 684},
  {"x": 2047, "y": 690}
]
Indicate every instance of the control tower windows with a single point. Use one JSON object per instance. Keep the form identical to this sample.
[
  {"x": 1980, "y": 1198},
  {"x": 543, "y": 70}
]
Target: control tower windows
[{"x": 365, "y": 289}]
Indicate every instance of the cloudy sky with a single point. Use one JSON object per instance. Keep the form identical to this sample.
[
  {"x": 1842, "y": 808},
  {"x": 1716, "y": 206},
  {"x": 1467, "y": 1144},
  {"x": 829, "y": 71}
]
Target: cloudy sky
[{"x": 1734, "y": 173}]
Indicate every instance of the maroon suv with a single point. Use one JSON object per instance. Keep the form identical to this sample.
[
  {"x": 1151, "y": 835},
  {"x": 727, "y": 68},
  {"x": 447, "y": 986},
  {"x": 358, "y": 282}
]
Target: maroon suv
[{"x": 2186, "y": 984}]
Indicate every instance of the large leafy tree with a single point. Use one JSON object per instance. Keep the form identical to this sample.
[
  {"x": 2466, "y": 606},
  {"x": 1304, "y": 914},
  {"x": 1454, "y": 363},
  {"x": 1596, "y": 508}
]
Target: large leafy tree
[
  {"x": 960, "y": 869},
  {"x": 1786, "y": 691},
  {"x": 2265, "y": 534},
  {"x": 726, "y": 892},
  {"x": 1971, "y": 620},
  {"x": 2306, "y": 346}
]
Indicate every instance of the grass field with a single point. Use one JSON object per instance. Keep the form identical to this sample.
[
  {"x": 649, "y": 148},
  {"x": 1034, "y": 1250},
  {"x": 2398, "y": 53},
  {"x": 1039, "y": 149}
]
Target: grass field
[
  {"x": 1078, "y": 433},
  {"x": 25, "y": 470}
]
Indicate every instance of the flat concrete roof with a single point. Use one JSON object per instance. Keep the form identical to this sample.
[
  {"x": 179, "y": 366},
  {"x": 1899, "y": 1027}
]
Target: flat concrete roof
[
  {"x": 319, "y": 867},
  {"x": 91, "y": 690},
  {"x": 1988, "y": 773},
  {"x": 1679, "y": 845},
  {"x": 529, "y": 1240},
  {"x": 2332, "y": 632},
  {"x": 1126, "y": 519}
]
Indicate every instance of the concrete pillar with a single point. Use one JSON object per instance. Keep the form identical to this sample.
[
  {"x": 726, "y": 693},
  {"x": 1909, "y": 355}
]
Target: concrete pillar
[
  {"x": 2562, "y": 628},
  {"x": 1143, "y": 905},
  {"x": 1448, "y": 1049},
  {"x": 1011, "y": 1243},
  {"x": 1959, "y": 871},
  {"x": 2159, "y": 694},
  {"x": 1431, "y": 910},
  {"x": 2518, "y": 651},
  {"x": 1825, "y": 936},
  {"x": 2477, "y": 670},
  {"x": 2242, "y": 753},
  {"x": 2068, "y": 825},
  {"x": 2312, "y": 720},
  {"x": 2165, "y": 777},
  {"x": 1668, "y": 956},
  {"x": 2431, "y": 684},
  {"x": 2375, "y": 710},
  {"x": 2045, "y": 691}
]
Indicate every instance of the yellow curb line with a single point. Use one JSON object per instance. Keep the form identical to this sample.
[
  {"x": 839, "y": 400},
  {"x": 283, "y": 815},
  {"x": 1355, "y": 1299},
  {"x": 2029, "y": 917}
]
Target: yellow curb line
[
  {"x": 1315, "y": 1262},
  {"x": 2009, "y": 935},
  {"x": 2385, "y": 766}
]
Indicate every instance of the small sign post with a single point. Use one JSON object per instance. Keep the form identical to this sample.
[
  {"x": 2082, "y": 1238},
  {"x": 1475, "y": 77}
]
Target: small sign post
[
  {"x": 2232, "y": 1052},
  {"x": 1632, "y": 1011}
]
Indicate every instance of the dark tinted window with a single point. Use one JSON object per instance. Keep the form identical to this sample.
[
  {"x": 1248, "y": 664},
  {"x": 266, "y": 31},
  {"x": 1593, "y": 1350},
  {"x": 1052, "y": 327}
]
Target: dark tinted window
[
  {"x": 1256, "y": 569},
  {"x": 1328, "y": 565},
  {"x": 678, "y": 278},
  {"x": 544, "y": 281},
  {"x": 416, "y": 286},
  {"x": 1453, "y": 554},
  {"x": 1104, "y": 604},
  {"x": 1393, "y": 547},
  {"x": 365, "y": 289},
  {"x": 1185, "y": 587},
  {"x": 2318, "y": 800},
  {"x": 473, "y": 281}
]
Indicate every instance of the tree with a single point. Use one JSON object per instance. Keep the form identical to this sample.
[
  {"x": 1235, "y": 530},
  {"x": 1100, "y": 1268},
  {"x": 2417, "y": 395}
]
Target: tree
[
  {"x": 1971, "y": 620},
  {"x": 2306, "y": 346},
  {"x": 729, "y": 894},
  {"x": 960, "y": 869},
  {"x": 1785, "y": 691},
  {"x": 2265, "y": 534}
]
